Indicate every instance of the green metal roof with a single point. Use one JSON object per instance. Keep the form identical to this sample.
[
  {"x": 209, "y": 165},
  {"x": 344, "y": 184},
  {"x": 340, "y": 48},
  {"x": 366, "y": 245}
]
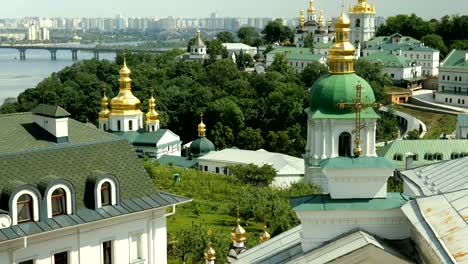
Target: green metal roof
[
  {"x": 50, "y": 111},
  {"x": 304, "y": 56},
  {"x": 183, "y": 162},
  {"x": 326, "y": 203},
  {"x": 388, "y": 59},
  {"x": 331, "y": 89},
  {"x": 463, "y": 120},
  {"x": 456, "y": 59},
  {"x": 284, "y": 50},
  {"x": 403, "y": 47},
  {"x": 19, "y": 133},
  {"x": 201, "y": 146},
  {"x": 421, "y": 148},
  {"x": 388, "y": 39},
  {"x": 360, "y": 162},
  {"x": 323, "y": 45}
]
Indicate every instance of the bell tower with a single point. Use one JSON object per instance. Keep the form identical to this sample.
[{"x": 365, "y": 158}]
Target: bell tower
[{"x": 362, "y": 17}]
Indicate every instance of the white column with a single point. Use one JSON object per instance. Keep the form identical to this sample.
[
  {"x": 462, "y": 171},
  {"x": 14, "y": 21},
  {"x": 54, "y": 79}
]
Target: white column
[
  {"x": 324, "y": 139},
  {"x": 373, "y": 138},
  {"x": 332, "y": 139},
  {"x": 160, "y": 240},
  {"x": 309, "y": 137}
]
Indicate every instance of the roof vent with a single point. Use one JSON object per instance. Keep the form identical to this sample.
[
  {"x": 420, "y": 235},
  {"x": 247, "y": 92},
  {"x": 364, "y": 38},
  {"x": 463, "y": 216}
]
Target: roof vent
[
  {"x": 53, "y": 120},
  {"x": 466, "y": 56}
]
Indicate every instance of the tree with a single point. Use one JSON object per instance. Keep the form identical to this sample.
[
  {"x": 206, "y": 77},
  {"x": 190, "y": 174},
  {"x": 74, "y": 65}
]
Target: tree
[
  {"x": 222, "y": 71},
  {"x": 214, "y": 49},
  {"x": 372, "y": 73},
  {"x": 312, "y": 72},
  {"x": 250, "y": 139},
  {"x": 275, "y": 31},
  {"x": 253, "y": 174},
  {"x": 222, "y": 136},
  {"x": 309, "y": 41},
  {"x": 240, "y": 60},
  {"x": 413, "y": 135},
  {"x": 225, "y": 37},
  {"x": 247, "y": 34},
  {"x": 225, "y": 110},
  {"x": 436, "y": 42}
]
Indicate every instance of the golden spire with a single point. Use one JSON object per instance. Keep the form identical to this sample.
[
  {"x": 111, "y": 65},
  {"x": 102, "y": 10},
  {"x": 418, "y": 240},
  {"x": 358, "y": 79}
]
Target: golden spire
[
  {"x": 152, "y": 116},
  {"x": 321, "y": 19},
  {"x": 210, "y": 253},
  {"x": 342, "y": 53},
  {"x": 125, "y": 103},
  {"x": 104, "y": 114},
  {"x": 201, "y": 128},
  {"x": 330, "y": 22},
  {"x": 350, "y": 6},
  {"x": 373, "y": 6},
  {"x": 362, "y": 7},
  {"x": 238, "y": 234},
  {"x": 265, "y": 236},
  {"x": 311, "y": 10},
  {"x": 301, "y": 18}
]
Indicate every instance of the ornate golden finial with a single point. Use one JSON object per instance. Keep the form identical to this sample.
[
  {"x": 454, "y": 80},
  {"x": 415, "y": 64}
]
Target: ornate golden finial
[
  {"x": 357, "y": 107},
  {"x": 311, "y": 10},
  {"x": 238, "y": 234},
  {"x": 210, "y": 253},
  {"x": 152, "y": 117},
  {"x": 330, "y": 22},
  {"x": 342, "y": 54},
  {"x": 301, "y": 18},
  {"x": 104, "y": 113},
  {"x": 321, "y": 19},
  {"x": 265, "y": 236},
  {"x": 201, "y": 128},
  {"x": 350, "y": 6}
]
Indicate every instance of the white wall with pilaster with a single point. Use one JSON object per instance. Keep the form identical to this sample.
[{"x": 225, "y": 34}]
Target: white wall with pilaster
[
  {"x": 319, "y": 227},
  {"x": 363, "y": 30},
  {"x": 137, "y": 122}
]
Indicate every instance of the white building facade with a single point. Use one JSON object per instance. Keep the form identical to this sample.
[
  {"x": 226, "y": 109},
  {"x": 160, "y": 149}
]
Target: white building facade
[
  {"x": 453, "y": 79},
  {"x": 362, "y": 17}
]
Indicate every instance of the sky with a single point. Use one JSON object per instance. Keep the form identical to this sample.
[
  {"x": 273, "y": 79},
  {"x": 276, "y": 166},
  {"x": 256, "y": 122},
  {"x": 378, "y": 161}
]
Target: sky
[{"x": 202, "y": 8}]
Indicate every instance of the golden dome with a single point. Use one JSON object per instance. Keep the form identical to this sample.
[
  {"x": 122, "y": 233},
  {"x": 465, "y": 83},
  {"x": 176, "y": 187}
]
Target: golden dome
[
  {"x": 301, "y": 18},
  {"x": 238, "y": 233},
  {"x": 342, "y": 53},
  {"x": 201, "y": 128},
  {"x": 104, "y": 114},
  {"x": 210, "y": 253},
  {"x": 152, "y": 116},
  {"x": 362, "y": 7},
  {"x": 125, "y": 103},
  {"x": 321, "y": 19},
  {"x": 330, "y": 22},
  {"x": 265, "y": 236},
  {"x": 311, "y": 9}
]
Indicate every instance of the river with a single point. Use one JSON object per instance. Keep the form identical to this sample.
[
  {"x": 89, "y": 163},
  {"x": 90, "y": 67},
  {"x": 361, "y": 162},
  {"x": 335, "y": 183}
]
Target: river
[{"x": 17, "y": 76}]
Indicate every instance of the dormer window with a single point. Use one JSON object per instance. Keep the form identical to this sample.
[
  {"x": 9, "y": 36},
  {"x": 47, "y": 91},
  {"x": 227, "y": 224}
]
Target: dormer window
[
  {"x": 59, "y": 205},
  {"x": 106, "y": 197},
  {"x": 24, "y": 207}
]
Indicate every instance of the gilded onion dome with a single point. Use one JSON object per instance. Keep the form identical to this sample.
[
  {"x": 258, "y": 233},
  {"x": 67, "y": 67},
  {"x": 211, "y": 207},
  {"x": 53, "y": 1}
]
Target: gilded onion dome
[
  {"x": 321, "y": 19},
  {"x": 311, "y": 10},
  {"x": 342, "y": 53},
  {"x": 210, "y": 253},
  {"x": 301, "y": 18},
  {"x": 104, "y": 113},
  {"x": 362, "y": 7},
  {"x": 330, "y": 22},
  {"x": 201, "y": 128},
  {"x": 152, "y": 117},
  {"x": 238, "y": 233},
  {"x": 265, "y": 236},
  {"x": 125, "y": 103}
]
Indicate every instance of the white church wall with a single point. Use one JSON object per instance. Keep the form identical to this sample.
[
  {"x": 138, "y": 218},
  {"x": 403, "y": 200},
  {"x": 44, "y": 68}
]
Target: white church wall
[
  {"x": 140, "y": 235},
  {"x": 321, "y": 226}
]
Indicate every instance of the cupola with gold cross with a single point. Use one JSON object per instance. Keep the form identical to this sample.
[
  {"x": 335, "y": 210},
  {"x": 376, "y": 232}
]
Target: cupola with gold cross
[
  {"x": 311, "y": 11},
  {"x": 202, "y": 145},
  {"x": 104, "y": 113},
  {"x": 362, "y": 16},
  {"x": 238, "y": 237},
  {"x": 152, "y": 117},
  {"x": 362, "y": 6}
]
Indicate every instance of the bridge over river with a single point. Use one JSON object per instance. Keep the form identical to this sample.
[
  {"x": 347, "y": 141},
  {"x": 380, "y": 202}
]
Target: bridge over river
[{"x": 74, "y": 50}]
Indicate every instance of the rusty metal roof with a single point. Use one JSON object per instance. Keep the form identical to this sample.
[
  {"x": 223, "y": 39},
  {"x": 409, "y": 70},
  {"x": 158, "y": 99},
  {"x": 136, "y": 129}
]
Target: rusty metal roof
[{"x": 444, "y": 218}]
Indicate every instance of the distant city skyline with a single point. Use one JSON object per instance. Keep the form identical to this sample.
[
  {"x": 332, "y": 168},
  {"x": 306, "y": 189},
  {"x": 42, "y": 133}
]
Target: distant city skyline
[{"x": 240, "y": 8}]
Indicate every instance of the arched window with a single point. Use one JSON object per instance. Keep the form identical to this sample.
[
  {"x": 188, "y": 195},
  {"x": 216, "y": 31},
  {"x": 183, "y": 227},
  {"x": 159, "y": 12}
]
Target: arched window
[
  {"x": 428, "y": 156},
  {"x": 358, "y": 23},
  {"x": 106, "y": 194},
  {"x": 59, "y": 203},
  {"x": 344, "y": 145},
  {"x": 24, "y": 207},
  {"x": 398, "y": 157},
  {"x": 104, "y": 126},
  {"x": 118, "y": 125},
  {"x": 130, "y": 125},
  {"x": 454, "y": 156},
  {"x": 438, "y": 156}
]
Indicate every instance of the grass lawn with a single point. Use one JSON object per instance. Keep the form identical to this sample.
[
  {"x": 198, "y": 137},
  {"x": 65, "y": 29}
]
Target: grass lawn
[{"x": 436, "y": 123}]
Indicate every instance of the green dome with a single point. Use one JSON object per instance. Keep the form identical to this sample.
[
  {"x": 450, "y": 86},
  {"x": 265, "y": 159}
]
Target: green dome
[
  {"x": 201, "y": 146},
  {"x": 332, "y": 89}
]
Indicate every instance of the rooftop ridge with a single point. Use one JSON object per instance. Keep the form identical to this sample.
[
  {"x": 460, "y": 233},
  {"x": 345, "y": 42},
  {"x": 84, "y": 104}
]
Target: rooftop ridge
[{"x": 60, "y": 147}]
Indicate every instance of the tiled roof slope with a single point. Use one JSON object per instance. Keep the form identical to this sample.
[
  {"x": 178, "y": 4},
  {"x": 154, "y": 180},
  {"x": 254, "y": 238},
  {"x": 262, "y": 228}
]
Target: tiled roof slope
[
  {"x": 456, "y": 59},
  {"x": 388, "y": 59},
  {"x": 18, "y": 133},
  {"x": 420, "y": 148},
  {"x": 50, "y": 110}
]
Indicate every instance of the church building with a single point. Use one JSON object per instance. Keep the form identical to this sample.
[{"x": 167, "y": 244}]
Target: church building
[
  {"x": 125, "y": 119},
  {"x": 73, "y": 194},
  {"x": 362, "y": 16}
]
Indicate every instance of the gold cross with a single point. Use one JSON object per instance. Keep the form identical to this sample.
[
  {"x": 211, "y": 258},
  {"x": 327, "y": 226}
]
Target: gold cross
[{"x": 357, "y": 107}]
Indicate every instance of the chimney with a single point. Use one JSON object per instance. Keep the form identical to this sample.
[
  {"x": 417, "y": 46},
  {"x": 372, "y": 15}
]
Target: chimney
[
  {"x": 409, "y": 161},
  {"x": 466, "y": 56},
  {"x": 54, "y": 122}
]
